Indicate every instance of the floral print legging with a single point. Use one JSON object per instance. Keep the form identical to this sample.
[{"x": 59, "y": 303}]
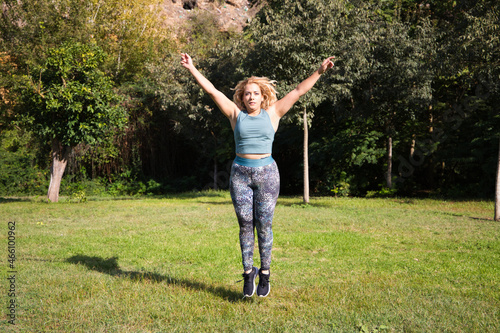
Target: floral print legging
[{"x": 254, "y": 192}]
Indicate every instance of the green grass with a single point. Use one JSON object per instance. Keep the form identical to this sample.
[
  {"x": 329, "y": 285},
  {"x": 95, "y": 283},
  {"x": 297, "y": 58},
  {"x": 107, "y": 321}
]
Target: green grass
[{"x": 170, "y": 265}]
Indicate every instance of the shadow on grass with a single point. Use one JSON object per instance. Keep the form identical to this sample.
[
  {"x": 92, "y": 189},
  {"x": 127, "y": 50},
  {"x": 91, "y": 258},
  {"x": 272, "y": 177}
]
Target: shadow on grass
[
  {"x": 480, "y": 219},
  {"x": 300, "y": 204},
  {"x": 174, "y": 196},
  {"x": 110, "y": 266},
  {"x": 7, "y": 200}
]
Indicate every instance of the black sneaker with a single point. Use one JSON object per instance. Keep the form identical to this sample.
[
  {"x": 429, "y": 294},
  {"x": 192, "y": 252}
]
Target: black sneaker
[
  {"x": 249, "y": 282},
  {"x": 264, "y": 286}
]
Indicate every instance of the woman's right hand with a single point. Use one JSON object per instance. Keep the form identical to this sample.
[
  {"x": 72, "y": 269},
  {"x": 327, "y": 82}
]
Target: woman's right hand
[{"x": 186, "y": 60}]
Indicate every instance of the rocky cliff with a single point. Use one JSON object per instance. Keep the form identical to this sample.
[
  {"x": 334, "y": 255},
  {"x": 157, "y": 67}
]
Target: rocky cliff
[{"x": 229, "y": 14}]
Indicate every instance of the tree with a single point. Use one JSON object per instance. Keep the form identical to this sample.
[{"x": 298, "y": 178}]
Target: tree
[
  {"x": 306, "y": 157},
  {"x": 483, "y": 49},
  {"x": 68, "y": 100},
  {"x": 191, "y": 115},
  {"x": 394, "y": 87},
  {"x": 468, "y": 99},
  {"x": 133, "y": 35},
  {"x": 292, "y": 38},
  {"x": 131, "y": 32},
  {"x": 7, "y": 68},
  {"x": 29, "y": 28}
]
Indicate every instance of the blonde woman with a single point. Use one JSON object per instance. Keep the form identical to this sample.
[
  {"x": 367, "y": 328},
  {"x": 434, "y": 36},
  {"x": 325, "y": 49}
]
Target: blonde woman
[{"x": 254, "y": 115}]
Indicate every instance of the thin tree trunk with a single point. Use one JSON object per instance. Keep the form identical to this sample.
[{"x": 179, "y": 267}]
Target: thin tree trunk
[
  {"x": 389, "y": 163},
  {"x": 431, "y": 171},
  {"x": 497, "y": 193},
  {"x": 60, "y": 155},
  {"x": 216, "y": 187},
  {"x": 215, "y": 174},
  {"x": 306, "y": 159}
]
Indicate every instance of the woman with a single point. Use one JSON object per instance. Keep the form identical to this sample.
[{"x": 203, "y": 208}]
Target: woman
[{"x": 254, "y": 183}]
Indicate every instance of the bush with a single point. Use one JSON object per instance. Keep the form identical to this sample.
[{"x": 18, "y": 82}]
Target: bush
[
  {"x": 19, "y": 174},
  {"x": 382, "y": 193}
]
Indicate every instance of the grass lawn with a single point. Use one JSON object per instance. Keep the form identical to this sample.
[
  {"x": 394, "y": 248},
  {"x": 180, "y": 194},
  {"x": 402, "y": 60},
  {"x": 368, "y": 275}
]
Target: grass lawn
[{"x": 170, "y": 265}]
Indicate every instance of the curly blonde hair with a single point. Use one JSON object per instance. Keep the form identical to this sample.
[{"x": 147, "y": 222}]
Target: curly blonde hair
[{"x": 266, "y": 88}]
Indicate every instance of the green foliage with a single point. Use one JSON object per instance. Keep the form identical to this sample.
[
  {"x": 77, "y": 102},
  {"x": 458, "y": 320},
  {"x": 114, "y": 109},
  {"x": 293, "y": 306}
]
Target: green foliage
[
  {"x": 78, "y": 197},
  {"x": 185, "y": 118},
  {"x": 291, "y": 39},
  {"x": 382, "y": 193},
  {"x": 366, "y": 150},
  {"x": 132, "y": 33},
  {"x": 19, "y": 175},
  {"x": 29, "y": 28},
  {"x": 69, "y": 98},
  {"x": 341, "y": 187},
  {"x": 203, "y": 33},
  {"x": 347, "y": 159},
  {"x": 423, "y": 73}
]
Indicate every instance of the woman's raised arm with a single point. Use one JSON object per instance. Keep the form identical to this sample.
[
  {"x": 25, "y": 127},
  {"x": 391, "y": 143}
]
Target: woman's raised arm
[
  {"x": 227, "y": 107},
  {"x": 282, "y": 106}
]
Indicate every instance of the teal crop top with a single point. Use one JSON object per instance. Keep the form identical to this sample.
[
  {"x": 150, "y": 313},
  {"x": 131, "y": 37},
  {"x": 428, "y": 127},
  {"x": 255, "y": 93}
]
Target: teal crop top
[{"x": 254, "y": 134}]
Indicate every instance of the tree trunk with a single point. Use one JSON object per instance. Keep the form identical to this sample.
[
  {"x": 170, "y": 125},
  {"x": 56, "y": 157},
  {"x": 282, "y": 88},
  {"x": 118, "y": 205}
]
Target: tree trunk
[
  {"x": 497, "y": 193},
  {"x": 306, "y": 159},
  {"x": 216, "y": 187},
  {"x": 388, "y": 177},
  {"x": 431, "y": 170},
  {"x": 215, "y": 174},
  {"x": 60, "y": 155}
]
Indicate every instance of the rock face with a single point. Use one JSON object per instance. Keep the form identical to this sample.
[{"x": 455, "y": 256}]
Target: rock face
[
  {"x": 229, "y": 14},
  {"x": 189, "y": 4}
]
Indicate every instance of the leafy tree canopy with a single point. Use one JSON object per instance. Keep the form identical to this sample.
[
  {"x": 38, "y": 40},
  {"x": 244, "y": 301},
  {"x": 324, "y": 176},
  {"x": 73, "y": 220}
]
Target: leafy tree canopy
[{"x": 69, "y": 98}]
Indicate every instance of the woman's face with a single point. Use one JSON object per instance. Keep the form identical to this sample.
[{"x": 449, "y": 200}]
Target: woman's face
[{"x": 252, "y": 97}]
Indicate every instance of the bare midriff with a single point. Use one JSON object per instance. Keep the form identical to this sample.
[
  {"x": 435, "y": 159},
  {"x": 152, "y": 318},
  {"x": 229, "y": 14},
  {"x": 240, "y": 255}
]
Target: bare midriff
[{"x": 253, "y": 156}]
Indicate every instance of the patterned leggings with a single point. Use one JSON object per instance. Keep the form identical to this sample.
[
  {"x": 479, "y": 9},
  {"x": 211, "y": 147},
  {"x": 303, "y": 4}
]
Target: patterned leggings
[{"x": 254, "y": 191}]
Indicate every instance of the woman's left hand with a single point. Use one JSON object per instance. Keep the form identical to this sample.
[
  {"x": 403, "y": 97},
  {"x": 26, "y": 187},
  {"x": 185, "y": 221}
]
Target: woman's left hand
[{"x": 327, "y": 64}]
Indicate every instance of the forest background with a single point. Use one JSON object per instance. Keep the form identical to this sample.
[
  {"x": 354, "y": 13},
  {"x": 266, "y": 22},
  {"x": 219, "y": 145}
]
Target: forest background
[{"x": 411, "y": 107}]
